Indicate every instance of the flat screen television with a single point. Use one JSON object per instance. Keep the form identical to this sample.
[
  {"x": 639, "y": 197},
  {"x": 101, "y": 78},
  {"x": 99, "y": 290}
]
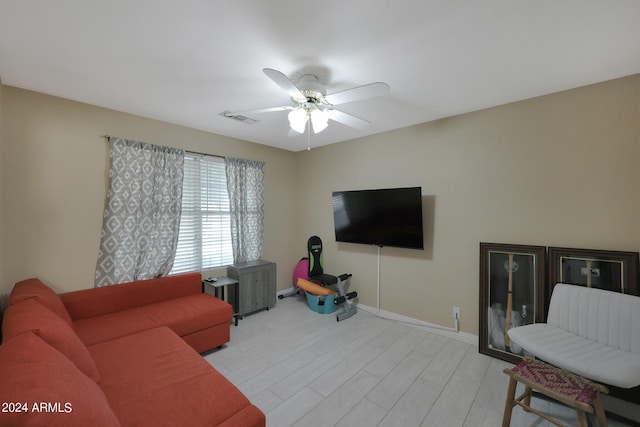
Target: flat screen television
[{"x": 383, "y": 217}]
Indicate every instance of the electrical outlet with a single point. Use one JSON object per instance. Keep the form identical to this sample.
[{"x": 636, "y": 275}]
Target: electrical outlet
[{"x": 456, "y": 312}]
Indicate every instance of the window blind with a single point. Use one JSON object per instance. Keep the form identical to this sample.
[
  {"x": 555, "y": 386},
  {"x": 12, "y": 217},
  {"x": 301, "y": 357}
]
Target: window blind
[{"x": 204, "y": 240}]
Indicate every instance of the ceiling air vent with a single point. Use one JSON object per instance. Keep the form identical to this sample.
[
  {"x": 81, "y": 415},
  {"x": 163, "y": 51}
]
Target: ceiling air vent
[{"x": 239, "y": 117}]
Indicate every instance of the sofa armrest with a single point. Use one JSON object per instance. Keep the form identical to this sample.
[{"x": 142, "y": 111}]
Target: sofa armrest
[{"x": 110, "y": 299}]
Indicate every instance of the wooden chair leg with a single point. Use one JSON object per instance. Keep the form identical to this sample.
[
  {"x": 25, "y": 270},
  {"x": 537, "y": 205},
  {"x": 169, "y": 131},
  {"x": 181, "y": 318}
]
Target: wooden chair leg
[
  {"x": 527, "y": 399},
  {"x": 582, "y": 418},
  {"x": 508, "y": 405},
  {"x": 599, "y": 410}
]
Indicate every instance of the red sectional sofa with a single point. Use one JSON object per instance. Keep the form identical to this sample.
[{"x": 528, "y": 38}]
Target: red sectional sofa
[{"x": 122, "y": 355}]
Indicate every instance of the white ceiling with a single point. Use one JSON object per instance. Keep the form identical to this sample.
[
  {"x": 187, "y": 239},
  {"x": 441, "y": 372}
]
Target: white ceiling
[{"x": 186, "y": 61}]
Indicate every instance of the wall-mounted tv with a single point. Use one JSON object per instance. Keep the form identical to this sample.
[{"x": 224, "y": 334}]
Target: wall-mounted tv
[{"x": 383, "y": 217}]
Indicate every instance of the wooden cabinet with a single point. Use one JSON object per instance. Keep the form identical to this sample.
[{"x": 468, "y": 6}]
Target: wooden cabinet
[{"x": 256, "y": 285}]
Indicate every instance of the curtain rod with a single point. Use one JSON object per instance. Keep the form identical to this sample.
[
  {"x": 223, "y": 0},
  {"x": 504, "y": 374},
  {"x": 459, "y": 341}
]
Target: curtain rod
[{"x": 106, "y": 137}]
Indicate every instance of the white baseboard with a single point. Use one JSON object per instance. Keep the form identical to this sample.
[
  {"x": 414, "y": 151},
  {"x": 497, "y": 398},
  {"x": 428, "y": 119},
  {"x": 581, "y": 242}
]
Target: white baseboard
[{"x": 448, "y": 332}]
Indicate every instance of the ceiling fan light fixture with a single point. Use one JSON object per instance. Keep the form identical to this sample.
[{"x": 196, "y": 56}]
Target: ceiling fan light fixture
[
  {"x": 319, "y": 120},
  {"x": 298, "y": 119},
  {"x": 312, "y": 104}
]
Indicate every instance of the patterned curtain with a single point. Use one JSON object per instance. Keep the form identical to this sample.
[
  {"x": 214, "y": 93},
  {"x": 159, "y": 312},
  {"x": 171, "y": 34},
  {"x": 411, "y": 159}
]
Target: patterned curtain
[
  {"x": 142, "y": 213},
  {"x": 245, "y": 183}
]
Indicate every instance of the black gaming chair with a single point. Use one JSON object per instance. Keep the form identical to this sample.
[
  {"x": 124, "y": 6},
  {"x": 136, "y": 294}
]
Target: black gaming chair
[{"x": 316, "y": 272}]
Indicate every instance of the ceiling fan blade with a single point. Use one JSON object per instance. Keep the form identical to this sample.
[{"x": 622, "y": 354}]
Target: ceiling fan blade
[
  {"x": 348, "y": 119},
  {"x": 357, "y": 93},
  {"x": 284, "y": 82},
  {"x": 263, "y": 110}
]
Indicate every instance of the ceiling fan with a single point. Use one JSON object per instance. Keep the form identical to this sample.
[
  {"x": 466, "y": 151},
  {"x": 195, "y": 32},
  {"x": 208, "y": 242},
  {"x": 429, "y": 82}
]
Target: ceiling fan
[{"x": 312, "y": 104}]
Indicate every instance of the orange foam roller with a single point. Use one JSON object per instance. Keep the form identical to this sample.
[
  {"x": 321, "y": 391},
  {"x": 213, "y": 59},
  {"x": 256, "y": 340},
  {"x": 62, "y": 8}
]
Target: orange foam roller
[{"x": 314, "y": 288}]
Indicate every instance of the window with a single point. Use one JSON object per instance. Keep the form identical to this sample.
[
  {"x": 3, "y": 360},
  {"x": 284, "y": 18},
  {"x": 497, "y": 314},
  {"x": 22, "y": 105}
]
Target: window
[{"x": 204, "y": 240}]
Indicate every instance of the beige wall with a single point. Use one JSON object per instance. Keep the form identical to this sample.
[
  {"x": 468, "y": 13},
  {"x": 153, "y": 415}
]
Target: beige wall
[
  {"x": 558, "y": 170},
  {"x": 55, "y": 160}
]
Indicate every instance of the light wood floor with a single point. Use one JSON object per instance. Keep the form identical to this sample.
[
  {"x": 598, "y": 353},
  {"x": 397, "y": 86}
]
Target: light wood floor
[{"x": 305, "y": 369}]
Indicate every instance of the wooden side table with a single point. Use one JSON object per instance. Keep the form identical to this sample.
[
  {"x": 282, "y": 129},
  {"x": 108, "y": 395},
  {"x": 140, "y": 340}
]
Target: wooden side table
[
  {"x": 220, "y": 285},
  {"x": 563, "y": 386}
]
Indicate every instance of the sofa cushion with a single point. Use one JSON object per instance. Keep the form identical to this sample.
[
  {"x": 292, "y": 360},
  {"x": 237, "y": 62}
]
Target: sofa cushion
[
  {"x": 33, "y": 372},
  {"x": 184, "y": 316},
  {"x": 579, "y": 355},
  {"x": 31, "y": 316},
  {"x": 34, "y": 288},
  {"x": 151, "y": 378}
]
